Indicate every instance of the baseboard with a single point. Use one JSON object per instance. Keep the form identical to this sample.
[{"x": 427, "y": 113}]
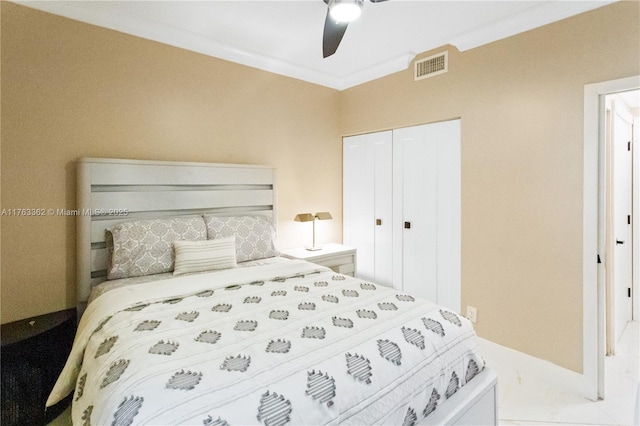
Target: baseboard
[{"x": 521, "y": 364}]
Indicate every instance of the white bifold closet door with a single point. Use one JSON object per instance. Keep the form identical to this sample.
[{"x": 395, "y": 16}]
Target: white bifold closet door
[
  {"x": 401, "y": 199},
  {"x": 367, "y": 203},
  {"x": 426, "y": 208}
]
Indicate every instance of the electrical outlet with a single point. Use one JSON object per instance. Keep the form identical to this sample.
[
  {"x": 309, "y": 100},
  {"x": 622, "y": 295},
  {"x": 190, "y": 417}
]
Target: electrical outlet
[{"x": 472, "y": 314}]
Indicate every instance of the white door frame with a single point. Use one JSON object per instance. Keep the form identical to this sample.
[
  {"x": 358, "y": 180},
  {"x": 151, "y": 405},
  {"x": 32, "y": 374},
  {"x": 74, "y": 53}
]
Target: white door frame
[
  {"x": 593, "y": 243},
  {"x": 636, "y": 217}
]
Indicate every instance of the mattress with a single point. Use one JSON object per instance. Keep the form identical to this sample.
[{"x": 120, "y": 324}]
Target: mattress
[{"x": 280, "y": 343}]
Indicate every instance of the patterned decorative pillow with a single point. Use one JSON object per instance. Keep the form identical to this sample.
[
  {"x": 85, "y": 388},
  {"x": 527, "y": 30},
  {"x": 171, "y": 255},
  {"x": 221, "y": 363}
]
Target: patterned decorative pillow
[
  {"x": 145, "y": 247},
  {"x": 208, "y": 255},
  {"x": 255, "y": 235}
]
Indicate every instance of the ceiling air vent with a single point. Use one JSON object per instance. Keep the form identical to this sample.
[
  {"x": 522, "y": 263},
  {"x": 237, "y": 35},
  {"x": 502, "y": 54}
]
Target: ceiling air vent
[{"x": 433, "y": 65}]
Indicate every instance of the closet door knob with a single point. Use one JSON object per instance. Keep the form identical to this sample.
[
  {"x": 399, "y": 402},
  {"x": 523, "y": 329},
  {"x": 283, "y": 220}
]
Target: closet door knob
[
  {"x": 378, "y": 222},
  {"x": 407, "y": 225},
  {"x": 619, "y": 242}
]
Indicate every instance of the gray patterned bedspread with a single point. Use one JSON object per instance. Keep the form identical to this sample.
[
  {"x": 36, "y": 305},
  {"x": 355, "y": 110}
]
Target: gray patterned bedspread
[{"x": 288, "y": 343}]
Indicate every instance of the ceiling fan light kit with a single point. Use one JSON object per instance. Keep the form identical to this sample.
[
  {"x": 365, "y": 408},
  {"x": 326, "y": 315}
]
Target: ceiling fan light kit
[
  {"x": 345, "y": 10},
  {"x": 339, "y": 14}
]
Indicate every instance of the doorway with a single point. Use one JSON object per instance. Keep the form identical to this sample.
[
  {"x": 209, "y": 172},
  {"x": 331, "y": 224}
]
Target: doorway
[
  {"x": 596, "y": 246},
  {"x": 621, "y": 121}
]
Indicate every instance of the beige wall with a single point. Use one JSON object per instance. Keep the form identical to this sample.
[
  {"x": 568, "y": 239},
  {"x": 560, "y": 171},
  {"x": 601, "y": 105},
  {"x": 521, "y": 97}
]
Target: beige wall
[
  {"x": 521, "y": 105},
  {"x": 71, "y": 90}
]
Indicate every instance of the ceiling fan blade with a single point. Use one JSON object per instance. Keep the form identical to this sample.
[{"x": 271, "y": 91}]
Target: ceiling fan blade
[
  {"x": 377, "y": 1},
  {"x": 333, "y": 33}
]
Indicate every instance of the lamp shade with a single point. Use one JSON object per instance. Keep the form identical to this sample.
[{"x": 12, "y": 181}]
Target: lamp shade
[
  {"x": 304, "y": 217},
  {"x": 323, "y": 215},
  {"x": 308, "y": 217}
]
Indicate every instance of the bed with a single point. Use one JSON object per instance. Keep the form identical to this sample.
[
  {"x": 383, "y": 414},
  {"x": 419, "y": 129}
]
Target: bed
[{"x": 223, "y": 331}]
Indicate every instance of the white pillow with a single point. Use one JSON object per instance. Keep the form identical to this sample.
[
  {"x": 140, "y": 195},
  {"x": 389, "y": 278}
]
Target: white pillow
[{"x": 198, "y": 256}]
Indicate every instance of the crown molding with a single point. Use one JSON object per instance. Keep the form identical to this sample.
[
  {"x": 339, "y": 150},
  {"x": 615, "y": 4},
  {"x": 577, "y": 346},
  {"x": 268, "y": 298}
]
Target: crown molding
[
  {"x": 542, "y": 14},
  {"x": 181, "y": 39}
]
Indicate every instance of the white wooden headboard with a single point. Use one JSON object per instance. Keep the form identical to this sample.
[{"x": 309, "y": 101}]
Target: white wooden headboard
[{"x": 110, "y": 191}]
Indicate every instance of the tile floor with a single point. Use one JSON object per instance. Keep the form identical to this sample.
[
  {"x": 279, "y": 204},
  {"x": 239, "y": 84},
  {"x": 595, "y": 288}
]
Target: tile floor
[{"x": 523, "y": 400}]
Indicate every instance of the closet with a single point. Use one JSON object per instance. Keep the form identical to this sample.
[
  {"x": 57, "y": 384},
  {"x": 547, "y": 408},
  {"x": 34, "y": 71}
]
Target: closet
[
  {"x": 401, "y": 200},
  {"x": 368, "y": 204}
]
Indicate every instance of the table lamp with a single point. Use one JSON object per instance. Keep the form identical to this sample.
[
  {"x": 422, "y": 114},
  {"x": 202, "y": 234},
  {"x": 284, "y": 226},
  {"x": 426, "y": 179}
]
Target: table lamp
[{"x": 308, "y": 217}]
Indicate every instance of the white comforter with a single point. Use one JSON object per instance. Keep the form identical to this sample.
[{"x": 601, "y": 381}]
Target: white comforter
[{"x": 284, "y": 343}]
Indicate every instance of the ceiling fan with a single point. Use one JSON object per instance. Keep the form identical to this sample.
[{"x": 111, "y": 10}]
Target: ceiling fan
[{"x": 339, "y": 14}]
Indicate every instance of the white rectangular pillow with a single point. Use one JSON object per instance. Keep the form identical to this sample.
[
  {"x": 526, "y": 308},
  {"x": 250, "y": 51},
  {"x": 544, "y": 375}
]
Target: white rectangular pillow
[{"x": 198, "y": 256}]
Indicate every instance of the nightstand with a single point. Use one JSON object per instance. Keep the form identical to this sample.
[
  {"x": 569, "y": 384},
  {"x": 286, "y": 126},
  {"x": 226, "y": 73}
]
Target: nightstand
[
  {"x": 34, "y": 351},
  {"x": 341, "y": 259}
]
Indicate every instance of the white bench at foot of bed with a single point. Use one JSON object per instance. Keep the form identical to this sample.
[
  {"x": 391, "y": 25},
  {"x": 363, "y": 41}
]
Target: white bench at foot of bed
[{"x": 475, "y": 404}]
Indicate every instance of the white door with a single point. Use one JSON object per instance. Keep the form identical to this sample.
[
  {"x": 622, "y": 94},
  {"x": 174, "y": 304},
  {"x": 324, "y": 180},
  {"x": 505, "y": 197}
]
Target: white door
[
  {"x": 426, "y": 198},
  {"x": 367, "y": 202},
  {"x": 635, "y": 220},
  {"x": 415, "y": 167},
  {"x": 383, "y": 208},
  {"x": 621, "y": 217}
]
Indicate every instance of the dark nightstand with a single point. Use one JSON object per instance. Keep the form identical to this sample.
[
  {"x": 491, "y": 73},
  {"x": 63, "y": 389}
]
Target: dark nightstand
[{"x": 34, "y": 351}]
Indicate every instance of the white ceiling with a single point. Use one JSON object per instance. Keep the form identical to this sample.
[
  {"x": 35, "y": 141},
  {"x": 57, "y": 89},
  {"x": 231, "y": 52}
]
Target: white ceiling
[
  {"x": 630, "y": 98},
  {"x": 285, "y": 37}
]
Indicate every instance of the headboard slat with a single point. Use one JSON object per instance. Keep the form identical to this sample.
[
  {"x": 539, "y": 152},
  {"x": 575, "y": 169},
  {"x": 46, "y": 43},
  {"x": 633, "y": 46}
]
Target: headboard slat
[
  {"x": 99, "y": 259},
  {"x": 144, "y": 188},
  {"x": 172, "y": 200},
  {"x": 133, "y": 172}
]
